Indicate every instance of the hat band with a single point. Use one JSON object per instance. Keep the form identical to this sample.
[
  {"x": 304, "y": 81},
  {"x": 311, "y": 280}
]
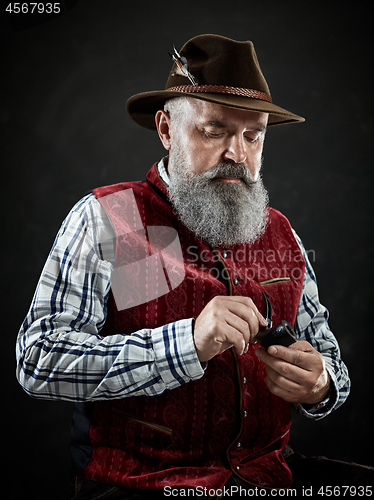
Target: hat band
[{"x": 222, "y": 89}]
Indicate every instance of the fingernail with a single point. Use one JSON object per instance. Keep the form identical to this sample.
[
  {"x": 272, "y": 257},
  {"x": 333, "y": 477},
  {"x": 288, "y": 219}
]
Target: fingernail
[{"x": 272, "y": 350}]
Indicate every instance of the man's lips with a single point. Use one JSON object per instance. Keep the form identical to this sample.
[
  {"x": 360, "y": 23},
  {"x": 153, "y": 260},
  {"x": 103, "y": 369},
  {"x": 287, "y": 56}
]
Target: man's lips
[{"x": 231, "y": 180}]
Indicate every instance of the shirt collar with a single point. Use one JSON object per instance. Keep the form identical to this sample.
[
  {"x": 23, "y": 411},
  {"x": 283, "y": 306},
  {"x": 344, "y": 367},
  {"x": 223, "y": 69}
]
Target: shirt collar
[{"x": 162, "y": 170}]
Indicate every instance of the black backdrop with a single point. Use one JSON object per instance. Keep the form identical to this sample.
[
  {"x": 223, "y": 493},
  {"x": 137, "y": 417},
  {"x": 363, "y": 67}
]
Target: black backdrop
[{"x": 65, "y": 131}]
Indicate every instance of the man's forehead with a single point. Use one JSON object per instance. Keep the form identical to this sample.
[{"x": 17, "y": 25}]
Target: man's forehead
[{"x": 222, "y": 116}]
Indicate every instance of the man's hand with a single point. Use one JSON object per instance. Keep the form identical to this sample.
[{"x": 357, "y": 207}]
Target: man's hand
[
  {"x": 226, "y": 322},
  {"x": 296, "y": 373}
]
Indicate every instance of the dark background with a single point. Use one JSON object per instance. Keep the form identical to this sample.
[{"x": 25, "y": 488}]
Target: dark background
[{"x": 65, "y": 83}]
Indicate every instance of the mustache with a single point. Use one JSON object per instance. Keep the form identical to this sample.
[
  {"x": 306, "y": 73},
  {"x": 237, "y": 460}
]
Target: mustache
[{"x": 227, "y": 169}]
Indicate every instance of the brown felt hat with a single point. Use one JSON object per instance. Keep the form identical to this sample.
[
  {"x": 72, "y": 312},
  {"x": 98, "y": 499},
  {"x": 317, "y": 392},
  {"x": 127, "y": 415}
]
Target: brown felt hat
[{"x": 216, "y": 69}]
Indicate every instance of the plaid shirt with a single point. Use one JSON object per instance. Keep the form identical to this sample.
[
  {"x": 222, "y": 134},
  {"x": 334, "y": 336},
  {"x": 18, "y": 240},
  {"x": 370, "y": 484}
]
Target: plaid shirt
[{"x": 61, "y": 354}]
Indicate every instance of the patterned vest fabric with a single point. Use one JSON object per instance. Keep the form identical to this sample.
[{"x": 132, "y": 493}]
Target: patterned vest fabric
[{"x": 226, "y": 422}]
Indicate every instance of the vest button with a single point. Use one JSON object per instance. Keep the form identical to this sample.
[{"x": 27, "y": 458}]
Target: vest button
[
  {"x": 235, "y": 281},
  {"x": 245, "y": 414},
  {"x": 244, "y": 380},
  {"x": 224, "y": 255},
  {"x": 239, "y": 445},
  {"x": 237, "y": 467}
]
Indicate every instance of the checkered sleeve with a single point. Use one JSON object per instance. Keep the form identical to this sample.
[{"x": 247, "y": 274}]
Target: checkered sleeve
[
  {"x": 60, "y": 352},
  {"x": 312, "y": 325}
]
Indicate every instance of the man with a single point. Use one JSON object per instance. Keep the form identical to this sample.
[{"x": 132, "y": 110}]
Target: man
[{"x": 148, "y": 309}]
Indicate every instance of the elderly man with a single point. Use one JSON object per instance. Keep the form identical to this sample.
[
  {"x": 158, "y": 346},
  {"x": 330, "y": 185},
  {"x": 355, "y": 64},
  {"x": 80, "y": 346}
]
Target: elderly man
[{"x": 149, "y": 306}]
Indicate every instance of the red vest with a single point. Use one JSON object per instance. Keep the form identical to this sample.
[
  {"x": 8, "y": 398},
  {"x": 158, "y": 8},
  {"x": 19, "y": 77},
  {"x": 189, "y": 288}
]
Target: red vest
[{"x": 227, "y": 421}]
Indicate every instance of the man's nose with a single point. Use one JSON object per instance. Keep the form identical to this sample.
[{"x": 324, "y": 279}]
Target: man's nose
[{"x": 235, "y": 150}]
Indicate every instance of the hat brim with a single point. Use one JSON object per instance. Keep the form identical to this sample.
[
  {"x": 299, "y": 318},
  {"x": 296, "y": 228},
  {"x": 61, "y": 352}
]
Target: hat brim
[{"x": 143, "y": 107}]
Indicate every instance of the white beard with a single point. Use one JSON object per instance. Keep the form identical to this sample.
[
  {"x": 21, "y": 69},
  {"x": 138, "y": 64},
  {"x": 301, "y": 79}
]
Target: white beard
[{"x": 221, "y": 214}]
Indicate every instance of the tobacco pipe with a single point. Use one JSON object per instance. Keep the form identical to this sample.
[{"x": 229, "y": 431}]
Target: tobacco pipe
[{"x": 280, "y": 334}]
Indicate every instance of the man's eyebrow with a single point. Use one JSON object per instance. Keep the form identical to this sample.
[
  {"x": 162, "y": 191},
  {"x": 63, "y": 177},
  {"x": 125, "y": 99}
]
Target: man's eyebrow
[
  {"x": 260, "y": 128},
  {"x": 219, "y": 124}
]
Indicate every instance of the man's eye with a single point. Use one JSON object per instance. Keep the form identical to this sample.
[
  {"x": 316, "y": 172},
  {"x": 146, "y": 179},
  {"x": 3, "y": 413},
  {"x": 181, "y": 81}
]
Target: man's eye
[
  {"x": 253, "y": 139},
  {"x": 213, "y": 134}
]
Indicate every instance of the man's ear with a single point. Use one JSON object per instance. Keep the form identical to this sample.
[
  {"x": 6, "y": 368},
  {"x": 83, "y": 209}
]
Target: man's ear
[{"x": 162, "y": 119}]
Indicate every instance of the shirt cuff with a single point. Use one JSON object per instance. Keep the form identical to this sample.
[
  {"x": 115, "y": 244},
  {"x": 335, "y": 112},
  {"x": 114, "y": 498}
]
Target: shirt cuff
[
  {"x": 175, "y": 354},
  {"x": 323, "y": 408}
]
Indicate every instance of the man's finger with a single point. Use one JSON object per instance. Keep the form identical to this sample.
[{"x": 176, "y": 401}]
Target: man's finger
[
  {"x": 233, "y": 338},
  {"x": 282, "y": 381},
  {"x": 284, "y": 369},
  {"x": 297, "y": 354},
  {"x": 236, "y": 331},
  {"x": 245, "y": 309}
]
